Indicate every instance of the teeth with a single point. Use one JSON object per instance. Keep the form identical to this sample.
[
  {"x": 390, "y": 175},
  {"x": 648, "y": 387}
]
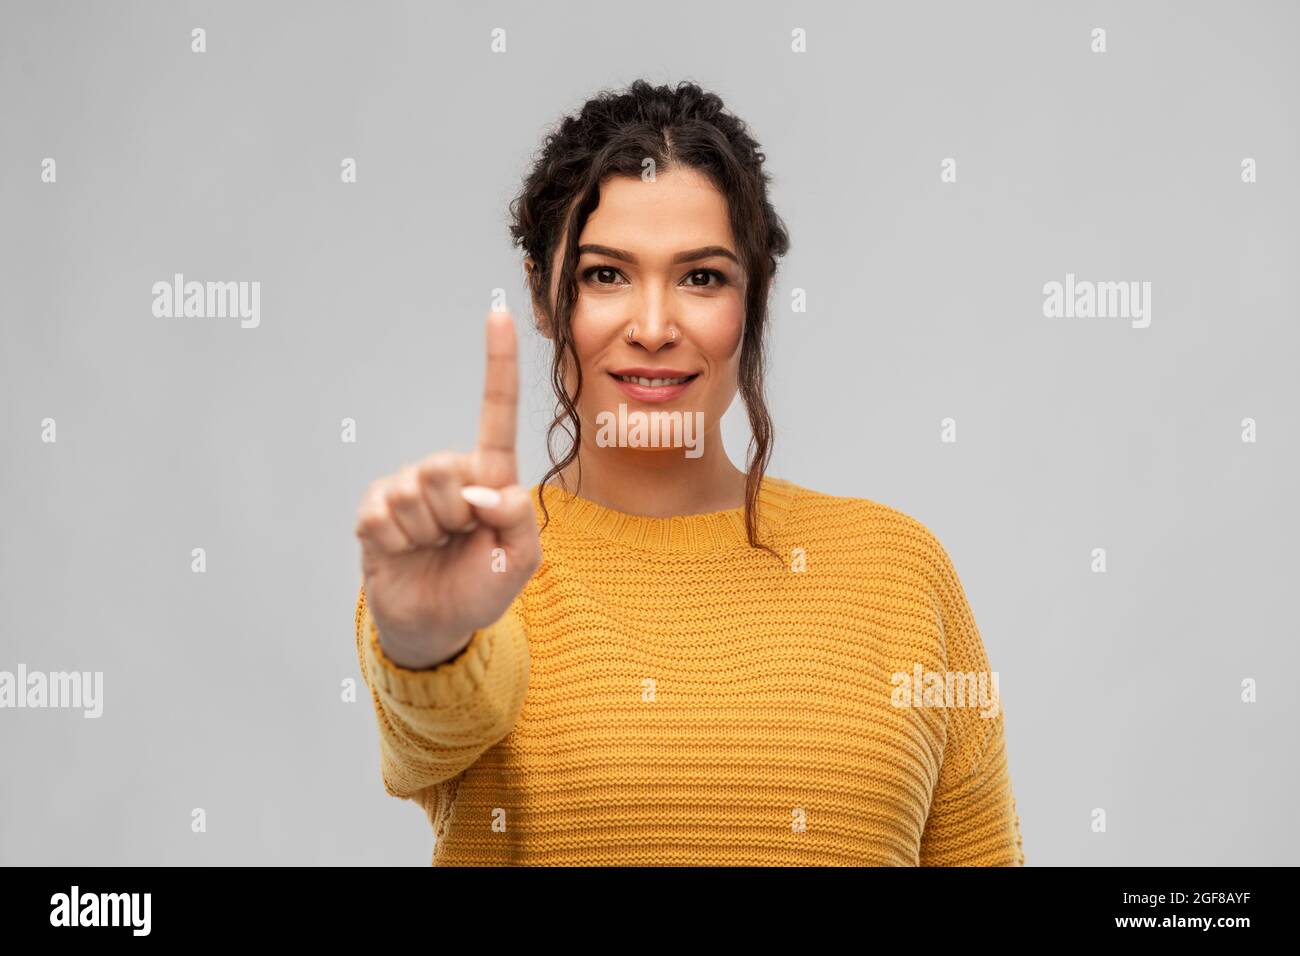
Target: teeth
[{"x": 654, "y": 382}]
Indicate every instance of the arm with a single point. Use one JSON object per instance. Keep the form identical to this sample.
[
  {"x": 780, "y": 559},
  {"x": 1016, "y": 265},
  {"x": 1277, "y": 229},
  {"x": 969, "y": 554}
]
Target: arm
[
  {"x": 435, "y": 723},
  {"x": 973, "y": 819}
]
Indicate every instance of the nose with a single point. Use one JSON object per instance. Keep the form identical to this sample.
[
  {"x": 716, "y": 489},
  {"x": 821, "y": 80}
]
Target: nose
[{"x": 655, "y": 327}]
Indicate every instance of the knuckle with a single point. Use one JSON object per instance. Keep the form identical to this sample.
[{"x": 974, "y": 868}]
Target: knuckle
[
  {"x": 370, "y": 523},
  {"x": 405, "y": 488},
  {"x": 372, "y": 502},
  {"x": 438, "y": 466},
  {"x": 401, "y": 498}
]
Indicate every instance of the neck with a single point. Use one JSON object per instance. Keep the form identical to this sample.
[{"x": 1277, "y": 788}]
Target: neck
[{"x": 657, "y": 483}]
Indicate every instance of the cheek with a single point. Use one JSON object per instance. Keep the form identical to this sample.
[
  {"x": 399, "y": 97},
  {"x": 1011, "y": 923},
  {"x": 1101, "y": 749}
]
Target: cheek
[
  {"x": 587, "y": 341},
  {"x": 722, "y": 338}
]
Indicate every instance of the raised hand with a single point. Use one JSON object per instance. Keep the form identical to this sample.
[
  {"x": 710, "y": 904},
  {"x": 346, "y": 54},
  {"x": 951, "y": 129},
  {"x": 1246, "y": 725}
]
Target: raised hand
[{"x": 429, "y": 531}]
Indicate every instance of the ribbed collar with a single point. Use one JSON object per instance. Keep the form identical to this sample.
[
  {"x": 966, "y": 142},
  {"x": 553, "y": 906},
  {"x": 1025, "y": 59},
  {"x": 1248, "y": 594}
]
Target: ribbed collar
[{"x": 711, "y": 531}]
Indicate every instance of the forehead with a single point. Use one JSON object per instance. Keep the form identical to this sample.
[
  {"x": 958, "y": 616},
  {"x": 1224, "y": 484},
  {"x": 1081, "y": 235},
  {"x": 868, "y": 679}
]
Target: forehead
[{"x": 680, "y": 209}]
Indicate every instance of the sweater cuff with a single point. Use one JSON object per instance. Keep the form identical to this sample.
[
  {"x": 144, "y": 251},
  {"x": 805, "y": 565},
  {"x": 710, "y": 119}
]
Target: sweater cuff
[{"x": 452, "y": 682}]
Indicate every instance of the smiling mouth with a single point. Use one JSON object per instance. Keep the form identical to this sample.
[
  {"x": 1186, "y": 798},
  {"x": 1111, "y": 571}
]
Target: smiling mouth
[{"x": 654, "y": 382}]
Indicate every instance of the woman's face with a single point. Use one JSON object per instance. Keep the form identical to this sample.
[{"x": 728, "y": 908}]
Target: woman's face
[{"x": 656, "y": 257}]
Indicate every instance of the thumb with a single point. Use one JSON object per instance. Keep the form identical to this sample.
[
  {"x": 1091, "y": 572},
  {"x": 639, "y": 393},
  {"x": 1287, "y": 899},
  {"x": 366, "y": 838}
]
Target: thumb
[{"x": 509, "y": 511}]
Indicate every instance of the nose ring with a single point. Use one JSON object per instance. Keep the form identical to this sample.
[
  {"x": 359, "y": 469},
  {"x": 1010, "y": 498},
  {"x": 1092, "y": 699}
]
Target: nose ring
[{"x": 672, "y": 338}]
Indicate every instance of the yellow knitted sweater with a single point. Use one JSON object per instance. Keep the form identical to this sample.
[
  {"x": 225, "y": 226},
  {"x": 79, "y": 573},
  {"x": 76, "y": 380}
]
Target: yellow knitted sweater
[{"x": 660, "y": 693}]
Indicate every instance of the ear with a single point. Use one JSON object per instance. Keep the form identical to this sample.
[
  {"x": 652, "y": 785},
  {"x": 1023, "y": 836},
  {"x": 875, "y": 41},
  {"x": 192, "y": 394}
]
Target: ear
[{"x": 541, "y": 317}]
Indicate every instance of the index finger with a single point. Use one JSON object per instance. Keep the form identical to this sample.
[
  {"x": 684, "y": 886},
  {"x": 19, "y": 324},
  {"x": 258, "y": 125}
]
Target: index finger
[{"x": 495, "y": 464}]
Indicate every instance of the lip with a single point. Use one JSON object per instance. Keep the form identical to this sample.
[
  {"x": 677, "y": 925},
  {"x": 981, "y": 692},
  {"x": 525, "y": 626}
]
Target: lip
[
  {"x": 652, "y": 393},
  {"x": 644, "y": 371}
]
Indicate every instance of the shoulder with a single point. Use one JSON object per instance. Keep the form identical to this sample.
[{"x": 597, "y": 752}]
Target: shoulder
[
  {"x": 883, "y": 549},
  {"x": 857, "y": 517},
  {"x": 859, "y": 529}
]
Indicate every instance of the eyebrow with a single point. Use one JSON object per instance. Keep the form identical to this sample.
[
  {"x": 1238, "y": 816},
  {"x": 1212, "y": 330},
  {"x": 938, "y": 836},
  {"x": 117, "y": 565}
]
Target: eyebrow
[{"x": 690, "y": 255}]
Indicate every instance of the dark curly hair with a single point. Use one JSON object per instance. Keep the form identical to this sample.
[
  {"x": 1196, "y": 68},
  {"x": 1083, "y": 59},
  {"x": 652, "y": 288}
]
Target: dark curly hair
[{"x": 613, "y": 134}]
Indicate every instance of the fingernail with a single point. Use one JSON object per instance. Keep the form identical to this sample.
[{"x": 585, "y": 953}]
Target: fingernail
[{"x": 481, "y": 496}]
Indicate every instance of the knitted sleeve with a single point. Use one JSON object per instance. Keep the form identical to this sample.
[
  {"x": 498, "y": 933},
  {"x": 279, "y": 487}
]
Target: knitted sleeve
[
  {"x": 435, "y": 723},
  {"x": 972, "y": 819}
]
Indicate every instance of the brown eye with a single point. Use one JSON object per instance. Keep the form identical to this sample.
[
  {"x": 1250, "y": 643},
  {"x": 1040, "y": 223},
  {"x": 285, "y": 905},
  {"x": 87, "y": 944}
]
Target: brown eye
[
  {"x": 605, "y": 271},
  {"x": 707, "y": 273}
]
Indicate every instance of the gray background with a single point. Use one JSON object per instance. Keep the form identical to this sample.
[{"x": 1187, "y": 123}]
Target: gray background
[{"x": 925, "y": 301}]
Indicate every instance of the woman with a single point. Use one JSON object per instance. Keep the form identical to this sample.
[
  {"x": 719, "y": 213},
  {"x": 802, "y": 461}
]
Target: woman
[{"x": 661, "y": 659}]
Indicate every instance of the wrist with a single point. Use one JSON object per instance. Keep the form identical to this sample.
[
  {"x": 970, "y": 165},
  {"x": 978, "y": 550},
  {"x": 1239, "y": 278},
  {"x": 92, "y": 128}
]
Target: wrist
[{"x": 422, "y": 655}]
